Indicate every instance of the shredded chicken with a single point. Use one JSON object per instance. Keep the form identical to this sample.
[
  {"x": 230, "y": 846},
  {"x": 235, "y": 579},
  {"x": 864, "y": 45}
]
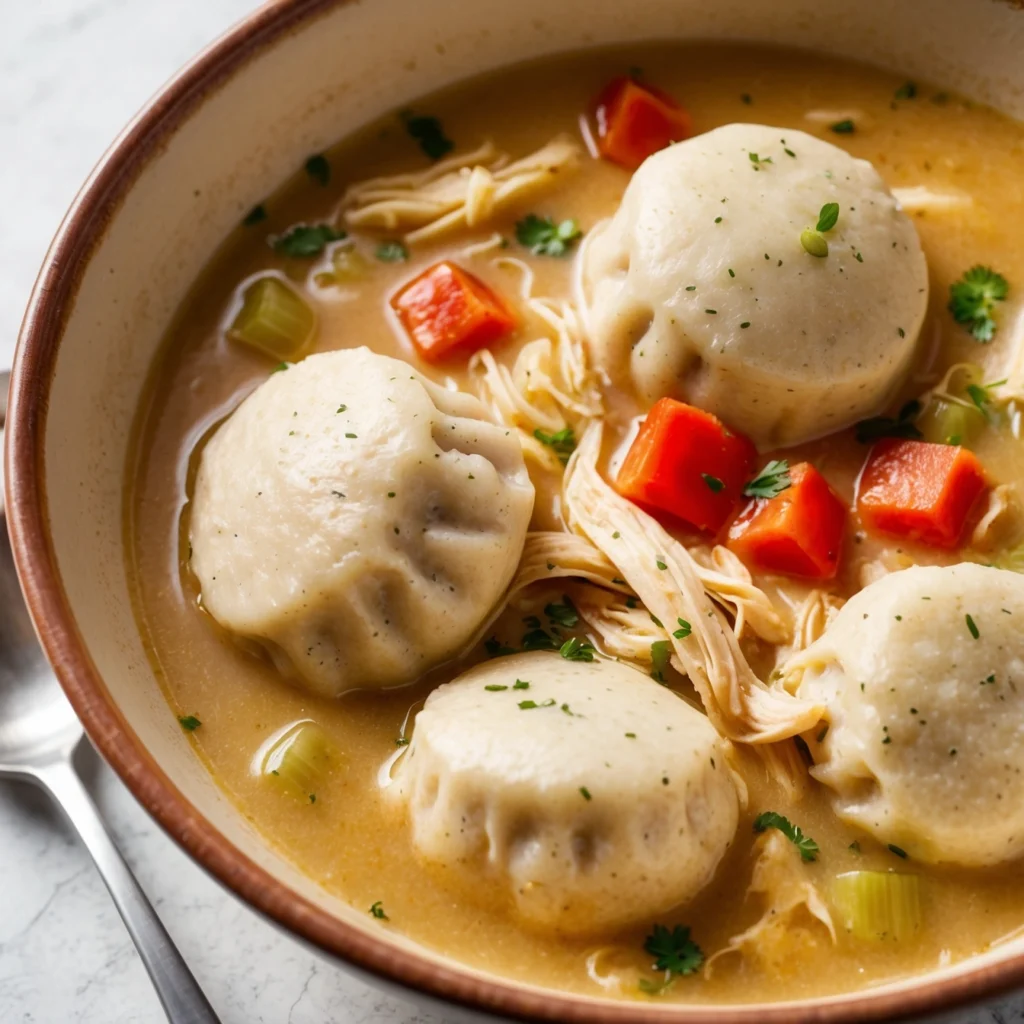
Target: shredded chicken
[
  {"x": 463, "y": 191},
  {"x": 921, "y": 198},
  {"x": 782, "y": 879},
  {"x": 1000, "y": 522},
  {"x": 668, "y": 581},
  {"x": 811, "y": 615},
  {"x": 551, "y": 384}
]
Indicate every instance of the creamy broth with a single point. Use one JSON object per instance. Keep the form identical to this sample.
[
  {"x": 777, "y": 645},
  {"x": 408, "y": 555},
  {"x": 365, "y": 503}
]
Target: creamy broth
[{"x": 348, "y": 840}]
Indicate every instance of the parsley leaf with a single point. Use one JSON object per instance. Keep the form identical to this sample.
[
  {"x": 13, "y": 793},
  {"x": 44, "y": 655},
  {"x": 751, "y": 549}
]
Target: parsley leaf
[
  {"x": 683, "y": 631},
  {"x": 673, "y": 951},
  {"x": 541, "y": 235},
  {"x": 713, "y": 482},
  {"x": 496, "y": 649},
  {"x": 828, "y": 217},
  {"x": 539, "y": 640},
  {"x": 392, "y": 252},
  {"x": 972, "y": 300},
  {"x": 757, "y": 161},
  {"x": 872, "y": 430},
  {"x": 771, "y": 481},
  {"x": 189, "y": 722},
  {"x": 427, "y": 131},
  {"x": 770, "y": 819},
  {"x": 845, "y": 127},
  {"x": 377, "y": 910},
  {"x": 980, "y": 395},
  {"x": 562, "y": 614},
  {"x": 319, "y": 169},
  {"x": 562, "y": 442},
  {"x": 907, "y": 91},
  {"x": 304, "y": 241},
  {"x": 661, "y": 651},
  {"x": 577, "y": 650}
]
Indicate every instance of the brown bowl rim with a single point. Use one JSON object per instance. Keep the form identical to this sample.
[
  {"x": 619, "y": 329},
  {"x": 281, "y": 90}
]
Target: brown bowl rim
[{"x": 35, "y": 361}]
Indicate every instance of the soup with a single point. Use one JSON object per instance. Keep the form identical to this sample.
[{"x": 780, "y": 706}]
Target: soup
[{"x": 778, "y": 446}]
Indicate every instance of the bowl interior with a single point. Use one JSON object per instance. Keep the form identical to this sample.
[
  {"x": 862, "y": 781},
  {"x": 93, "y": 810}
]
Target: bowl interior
[{"x": 291, "y": 81}]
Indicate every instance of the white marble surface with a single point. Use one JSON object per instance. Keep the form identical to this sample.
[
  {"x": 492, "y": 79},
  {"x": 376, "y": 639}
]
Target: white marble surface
[{"x": 71, "y": 73}]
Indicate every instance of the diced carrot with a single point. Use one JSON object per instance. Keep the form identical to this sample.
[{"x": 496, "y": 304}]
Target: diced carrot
[
  {"x": 634, "y": 121},
  {"x": 798, "y": 532},
  {"x": 447, "y": 310},
  {"x": 687, "y": 463},
  {"x": 921, "y": 491}
]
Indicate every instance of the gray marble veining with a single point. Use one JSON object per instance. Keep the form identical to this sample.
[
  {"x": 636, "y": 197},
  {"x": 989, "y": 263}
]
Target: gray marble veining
[{"x": 72, "y": 73}]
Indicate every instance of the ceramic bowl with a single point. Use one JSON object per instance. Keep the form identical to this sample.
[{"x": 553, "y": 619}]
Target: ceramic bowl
[{"x": 288, "y": 81}]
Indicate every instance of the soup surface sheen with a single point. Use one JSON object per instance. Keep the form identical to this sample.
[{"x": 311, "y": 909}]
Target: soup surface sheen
[{"x": 349, "y": 839}]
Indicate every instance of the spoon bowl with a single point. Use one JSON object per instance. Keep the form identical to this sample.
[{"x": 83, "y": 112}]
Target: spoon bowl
[{"x": 38, "y": 736}]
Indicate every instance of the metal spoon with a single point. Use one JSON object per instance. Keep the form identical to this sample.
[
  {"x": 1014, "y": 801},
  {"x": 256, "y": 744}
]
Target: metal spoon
[{"x": 38, "y": 737}]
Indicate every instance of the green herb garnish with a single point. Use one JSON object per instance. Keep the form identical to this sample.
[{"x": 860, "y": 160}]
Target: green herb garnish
[
  {"x": 771, "y": 481},
  {"x": 585, "y": 793},
  {"x": 714, "y": 484},
  {"x": 828, "y": 217},
  {"x": 392, "y": 252},
  {"x": 495, "y": 687},
  {"x": 907, "y": 91},
  {"x": 377, "y": 910},
  {"x": 758, "y": 161},
  {"x": 255, "y": 215},
  {"x": 564, "y": 614},
  {"x": 189, "y": 722},
  {"x": 673, "y": 951},
  {"x": 844, "y": 127},
  {"x": 541, "y": 235},
  {"x": 427, "y": 131},
  {"x": 575, "y": 649},
  {"x": 899, "y": 851},
  {"x": 683, "y": 631},
  {"x": 661, "y": 651},
  {"x": 496, "y": 649},
  {"x": 874, "y": 429},
  {"x": 304, "y": 241},
  {"x": 562, "y": 442},
  {"x": 972, "y": 628},
  {"x": 770, "y": 819},
  {"x": 319, "y": 169},
  {"x": 972, "y": 301}
]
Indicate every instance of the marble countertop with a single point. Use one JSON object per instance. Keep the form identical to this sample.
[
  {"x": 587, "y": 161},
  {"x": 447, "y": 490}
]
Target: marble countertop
[{"x": 73, "y": 72}]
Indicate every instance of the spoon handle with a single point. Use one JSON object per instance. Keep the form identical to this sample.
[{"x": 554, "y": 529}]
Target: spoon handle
[{"x": 180, "y": 994}]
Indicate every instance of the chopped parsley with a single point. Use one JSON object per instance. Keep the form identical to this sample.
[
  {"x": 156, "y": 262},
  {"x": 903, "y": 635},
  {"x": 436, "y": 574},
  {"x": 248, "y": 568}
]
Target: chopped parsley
[
  {"x": 899, "y": 851},
  {"x": 402, "y": 741},
  {"x": 529, "y": 705},
  {"x": 542, "y": 236},
  {"x": 874, "y": 429},
  {"x": 674, "y": 952},
  {"x": 429, "y": 133},
  {"x": 844, "y": 127},
  {"x": 564, "y": 614},
  {"x": 392, "y": 252},
  {"x": 771, "y": 481},
  {"x": 585, "y": 793},
  {"x": 979, "y": 395},
  {"x": 255, "y": 215},
  {"x": 575, "y": 649},
  {"x": 189, "y": 722},
  {"x": 496, "y": 649},
  {"x": 520, "y": 684},
  {"x": 539, "y": 640},
  {"x": 683, "y": 631},
  {"x": 304, "y": 241},
  {"x": 828, "y": 217},
  {"x": 770, "y": 819},
  {"x": 907, "y": 91},
  {"x": 757, "y": 161},
  {"x": 495, "y": 687},
  {"x": 377, "y": 910},
  {"x": 660, "y": 564},
  {"x": 661, "y": 651},
  {"x": 280, "y": 367},
  {"x": 318, "y": 168},
  {"x": 972, "y": 301},
  {"x": 561, "y": 442},
  {"x": 972, "y": 628},
  {"x": 713, "y": 482}
]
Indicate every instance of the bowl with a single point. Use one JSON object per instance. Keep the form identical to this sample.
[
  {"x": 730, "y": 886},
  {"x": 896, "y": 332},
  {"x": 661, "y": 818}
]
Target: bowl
[{"x": 288, "y": 81}]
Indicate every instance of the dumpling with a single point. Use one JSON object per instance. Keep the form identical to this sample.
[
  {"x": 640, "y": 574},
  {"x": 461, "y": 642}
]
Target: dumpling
[
  {"x": 923, "y": 676},
  {"x": 699, "y": 287},
  {"x": 593, "y": 795},
  {"x": 358, "y": 521}
]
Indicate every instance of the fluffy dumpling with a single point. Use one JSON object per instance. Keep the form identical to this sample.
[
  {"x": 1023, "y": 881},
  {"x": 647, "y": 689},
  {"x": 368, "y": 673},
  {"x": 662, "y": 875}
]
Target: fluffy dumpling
[
  {"x": 358, "y": 521},
  {"x": 699, "y": 287},
  {"x": 923, "y": 676},
  {"x": 594, "y": 795}
]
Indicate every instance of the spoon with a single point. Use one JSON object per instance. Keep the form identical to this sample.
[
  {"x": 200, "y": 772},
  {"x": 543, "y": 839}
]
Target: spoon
[{"x": 39, "y": 734}]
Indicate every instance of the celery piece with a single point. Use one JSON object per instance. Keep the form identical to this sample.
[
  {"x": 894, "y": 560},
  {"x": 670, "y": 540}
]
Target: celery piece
[
  {"x": 274, "y": 318},
  {"x": 878, "y": 904},
  {"x": 299, "y": 758},
  {"x": 945, "y": 422}
]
